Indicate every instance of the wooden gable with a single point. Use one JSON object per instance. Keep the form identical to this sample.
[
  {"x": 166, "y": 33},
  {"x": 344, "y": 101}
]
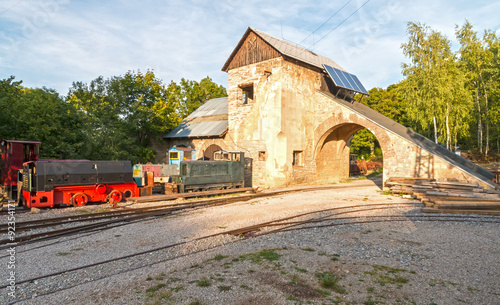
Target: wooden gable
[{"x": 251, "y": 49}]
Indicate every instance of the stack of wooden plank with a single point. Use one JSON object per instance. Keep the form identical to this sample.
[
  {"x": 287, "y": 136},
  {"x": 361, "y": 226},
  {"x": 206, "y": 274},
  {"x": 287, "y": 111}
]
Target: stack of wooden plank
[{"x": 448, "y": 197}]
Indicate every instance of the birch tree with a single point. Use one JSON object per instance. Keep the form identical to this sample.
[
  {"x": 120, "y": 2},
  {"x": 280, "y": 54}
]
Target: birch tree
[
  {"x": 476, "y": 59},
  {"x": 426, "y": 87}
]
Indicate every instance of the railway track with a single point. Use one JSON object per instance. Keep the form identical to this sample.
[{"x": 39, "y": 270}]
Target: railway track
[
  {"x": 306, "y": 221},
  {"x": 106, "y": 220}
]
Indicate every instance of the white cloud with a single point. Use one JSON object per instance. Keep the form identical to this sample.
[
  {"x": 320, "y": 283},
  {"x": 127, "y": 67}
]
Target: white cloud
[{"x": 54, "y": 42}]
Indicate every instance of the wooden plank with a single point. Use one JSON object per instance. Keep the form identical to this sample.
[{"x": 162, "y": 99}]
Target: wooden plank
[
  {"x": 454, "y": 187},
  {"x": 410, "y": 179},
  {"x": 473, "y": 185},
  {"x": 465, "y": 195},
  {"x": 187, "y": 195},
  {"x": 466, "y": 206},
  {"x": 457, "y": 201},
  {"x": 458, "y": 211},
  {"x": 459, "y": 198}
]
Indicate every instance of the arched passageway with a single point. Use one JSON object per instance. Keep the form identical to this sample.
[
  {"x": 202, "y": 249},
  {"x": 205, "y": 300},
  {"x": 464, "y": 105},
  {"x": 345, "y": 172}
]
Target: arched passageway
[
  {"x": 208, "y": 154},
  {"x": 333, "y": 152}
]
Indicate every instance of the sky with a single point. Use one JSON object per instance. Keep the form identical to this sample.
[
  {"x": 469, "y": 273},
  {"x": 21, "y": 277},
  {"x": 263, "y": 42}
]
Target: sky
[{"x": 53, "y": 43}]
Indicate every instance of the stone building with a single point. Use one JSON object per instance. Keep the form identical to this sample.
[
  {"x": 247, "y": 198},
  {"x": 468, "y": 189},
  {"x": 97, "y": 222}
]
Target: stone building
[
  {"x": 205, "y": 130},
  {"x": 294, "y": 123}
]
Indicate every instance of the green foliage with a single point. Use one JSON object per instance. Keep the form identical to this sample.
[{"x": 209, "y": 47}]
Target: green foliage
[
  {"x": 203, "y": 282},
  {"x": 265, "y": 254},
  {"x": 453, "y": 97},
  {"x": 40, "y": 115},
  {"x": 362, "y": 144},
  {"x": 330, "y": 281},
  {"x": 125, "y": 114},
  {"x": 108, "y": 119},
  {"x": 387, "y": 102},
  {"x": 434, "y": 85}
]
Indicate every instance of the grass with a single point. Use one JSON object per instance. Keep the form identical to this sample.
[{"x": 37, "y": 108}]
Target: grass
[
  {"x": 218, "y": 257},
  {"x": 292, "y": 298},
  {"x": 63, "y": 253},
  {"x": 370, "y": 301},
  {"x": 387, "y": 275},
  {"x": 375, "y": 173},
  {"x": 300, "y": 270},
  {"x": 156, "y": 288},
  {"x": 203, "y": 282},
  {"x": 294, "y": 280},
  {"x": 224, "y": 288},
  {"x": 268, "y": 255},
  {"x": 160, "y": 277},
  {"x": 329, "y": 280},
  {"x": 246, "y": 287},
  {"x": 309, "y": 249}
]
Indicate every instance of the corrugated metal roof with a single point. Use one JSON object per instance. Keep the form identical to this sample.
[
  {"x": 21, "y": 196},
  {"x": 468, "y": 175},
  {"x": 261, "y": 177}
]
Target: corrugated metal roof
[
  {"x": 193, "y": 127},
  {"x": 193, "y": 130},
  {"x": 286, "y": 49},
  {"x": 211, "y": 107},
  {"x": 297, "y": 52}
]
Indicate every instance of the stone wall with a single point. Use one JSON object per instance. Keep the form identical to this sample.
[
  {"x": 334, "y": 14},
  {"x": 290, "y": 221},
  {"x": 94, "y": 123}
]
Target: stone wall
[
  {"x": 402, "y": 158},
  {"x": 199, "y": 144}
]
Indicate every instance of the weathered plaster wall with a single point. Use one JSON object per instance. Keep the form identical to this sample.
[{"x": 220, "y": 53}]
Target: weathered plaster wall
[
  {"x": 279, "y": 121},
  {"x": 256, "y": 126}
]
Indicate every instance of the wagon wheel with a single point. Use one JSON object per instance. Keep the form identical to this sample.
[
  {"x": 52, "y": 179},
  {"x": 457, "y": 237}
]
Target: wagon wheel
[
  {"x": 128, "y": 193},
  {"x": 114, "y": 197},
  {"x": 79, "y": 200}
]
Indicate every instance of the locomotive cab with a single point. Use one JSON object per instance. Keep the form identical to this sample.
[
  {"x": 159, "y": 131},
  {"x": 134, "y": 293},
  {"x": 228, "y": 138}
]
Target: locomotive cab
[{"x": 228, "y": 155}]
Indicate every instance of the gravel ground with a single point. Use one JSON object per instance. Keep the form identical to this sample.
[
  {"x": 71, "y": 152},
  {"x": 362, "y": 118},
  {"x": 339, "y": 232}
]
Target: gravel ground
[{"x": 404, "y": 262}]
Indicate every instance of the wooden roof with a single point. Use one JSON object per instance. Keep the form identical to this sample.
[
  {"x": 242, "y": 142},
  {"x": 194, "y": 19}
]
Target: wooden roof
[{"x": 256, "y": 46}]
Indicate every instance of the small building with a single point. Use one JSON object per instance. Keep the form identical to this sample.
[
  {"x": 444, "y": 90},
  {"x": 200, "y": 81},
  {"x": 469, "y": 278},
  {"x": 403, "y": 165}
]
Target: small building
[
  {"x": 205, "y": 129},
  {"x": 177, "y": 154}
]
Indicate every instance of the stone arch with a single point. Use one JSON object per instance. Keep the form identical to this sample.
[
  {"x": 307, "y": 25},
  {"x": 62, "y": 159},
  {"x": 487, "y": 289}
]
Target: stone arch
[
  {"x": 331, "y": 150},
  {"x": 205, "y": 145},
  {"x": 208, "y": 154}
]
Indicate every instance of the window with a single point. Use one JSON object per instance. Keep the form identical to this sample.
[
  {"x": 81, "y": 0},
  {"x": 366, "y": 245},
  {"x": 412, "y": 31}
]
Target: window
[
  {"x": 246, "y": 94},
  {"x": 188, "y": 155},
  {"x": 236, "y": 157},
  {"x": 297, "y": 158},
  {"x": 262, "y": 156},
  {"x": 173, "y": 155}
]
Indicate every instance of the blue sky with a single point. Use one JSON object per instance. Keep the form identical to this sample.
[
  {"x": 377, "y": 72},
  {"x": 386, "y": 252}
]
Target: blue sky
[{"x": 53, "y": 43}]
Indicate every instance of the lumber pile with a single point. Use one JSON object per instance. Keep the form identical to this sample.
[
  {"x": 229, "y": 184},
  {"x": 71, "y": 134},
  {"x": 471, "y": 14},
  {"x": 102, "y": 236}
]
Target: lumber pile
[{"x": 448, "y": 197}]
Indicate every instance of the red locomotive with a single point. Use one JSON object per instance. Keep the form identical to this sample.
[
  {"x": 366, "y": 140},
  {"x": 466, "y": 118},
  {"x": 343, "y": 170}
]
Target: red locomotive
[
  {"x": 66, "y": 182},
  {"x": 46, "y": 183}
]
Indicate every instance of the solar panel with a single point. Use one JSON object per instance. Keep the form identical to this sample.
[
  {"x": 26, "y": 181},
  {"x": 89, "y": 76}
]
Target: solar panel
[{"x": 345, "y": 80}]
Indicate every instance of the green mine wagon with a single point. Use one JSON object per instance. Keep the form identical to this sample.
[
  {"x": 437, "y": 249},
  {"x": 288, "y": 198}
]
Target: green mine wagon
[{"x": 227, "y": 171}]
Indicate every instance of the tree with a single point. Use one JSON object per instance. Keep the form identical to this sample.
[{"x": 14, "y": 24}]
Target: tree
[
  {"x": 125, "y": 112},
  {"x": 10, "y": 93},
  {"x": 433, "y": 87},
  {"x": 194, "y": 94},
  {"x": 478, "y": 60},
  {"x": 40, "y": 115},
  {"x": 387, "y": 102}
]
